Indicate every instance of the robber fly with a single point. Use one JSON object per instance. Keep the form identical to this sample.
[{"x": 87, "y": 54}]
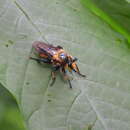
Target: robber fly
[{"x": 57, "y": 57}]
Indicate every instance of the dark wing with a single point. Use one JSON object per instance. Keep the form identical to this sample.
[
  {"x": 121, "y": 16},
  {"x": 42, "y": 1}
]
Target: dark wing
[{"x": 47, "y": 49}]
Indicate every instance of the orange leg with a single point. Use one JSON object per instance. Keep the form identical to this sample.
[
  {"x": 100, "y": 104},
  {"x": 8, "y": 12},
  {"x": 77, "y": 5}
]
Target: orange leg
[{"x": 76, "y": 69}]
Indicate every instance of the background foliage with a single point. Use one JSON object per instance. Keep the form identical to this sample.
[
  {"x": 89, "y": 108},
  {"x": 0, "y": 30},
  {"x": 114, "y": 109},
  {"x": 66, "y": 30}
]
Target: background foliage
[{"x": 10, "y": 117}]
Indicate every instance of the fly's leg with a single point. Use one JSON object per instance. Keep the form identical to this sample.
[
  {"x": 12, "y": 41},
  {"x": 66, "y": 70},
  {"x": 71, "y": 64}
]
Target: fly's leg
[
  {"x": 70, "y": 83},
  {"x": 39, "y": 60},
  {"x": 66, "y": 77},
  {"x": 74, "y": 67},
  {"x": 78, "y": 71},
  {"x": 36, "y": 59},
  {"x": 53, "y": 74}
]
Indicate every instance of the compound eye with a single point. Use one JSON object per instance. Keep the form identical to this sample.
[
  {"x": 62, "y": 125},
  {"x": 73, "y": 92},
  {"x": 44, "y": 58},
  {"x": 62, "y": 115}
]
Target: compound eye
[{"x": 63, "y": 56}]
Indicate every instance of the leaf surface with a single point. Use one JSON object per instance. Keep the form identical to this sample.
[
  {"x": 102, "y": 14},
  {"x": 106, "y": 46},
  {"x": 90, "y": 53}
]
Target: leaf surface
[{"x": 100, "y": 102}]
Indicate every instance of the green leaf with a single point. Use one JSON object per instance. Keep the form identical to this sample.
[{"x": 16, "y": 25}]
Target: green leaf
[
  {"x": 100, "y": 102},
  {"x": 10, "y": 117},
  {"x": 115, "y": 12}
]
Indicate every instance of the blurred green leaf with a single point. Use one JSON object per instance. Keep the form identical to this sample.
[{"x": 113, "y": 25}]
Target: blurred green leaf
[
  {"x": 10, "y": 117},
  {"x": 100, "y": 102},
  {"x": 119, "y": 10},
  {"x": 115, "y": 12},
  {"x": 11, "y": 120}
]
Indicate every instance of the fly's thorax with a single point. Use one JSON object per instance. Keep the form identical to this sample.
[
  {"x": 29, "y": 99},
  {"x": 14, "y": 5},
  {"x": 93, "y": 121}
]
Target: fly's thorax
[{"x": 60, "y": 56}]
